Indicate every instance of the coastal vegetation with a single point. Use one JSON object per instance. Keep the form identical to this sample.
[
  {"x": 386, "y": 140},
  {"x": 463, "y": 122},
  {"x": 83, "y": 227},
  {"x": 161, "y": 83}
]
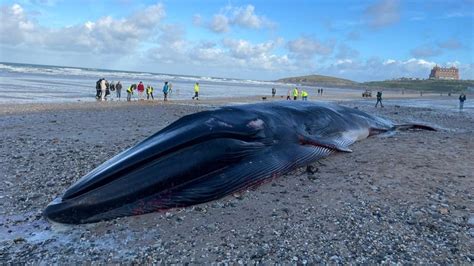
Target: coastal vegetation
[{"x": 428, "y": 85}]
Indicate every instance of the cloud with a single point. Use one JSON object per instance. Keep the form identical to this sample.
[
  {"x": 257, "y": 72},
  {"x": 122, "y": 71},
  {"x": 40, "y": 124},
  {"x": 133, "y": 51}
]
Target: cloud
[
  {"x": 306, "y": 47},
  {"x": 377, "y": 69},
  {"x": 242, "y": 16},
  {"x": 383, "y": 13},
  {"x": 105, "y": 35},
  {"x": 172, "y": 46},
  {"x": 425, "y": 51},
  {"x": 17, "y": 26},
  {"x": 219, "y": 24},
  {"x": 345, "y": 52},
  {"x": 435, "y": 49},
  {"x": 452, "y": 44},
  {"x": 246, "y": 17}
]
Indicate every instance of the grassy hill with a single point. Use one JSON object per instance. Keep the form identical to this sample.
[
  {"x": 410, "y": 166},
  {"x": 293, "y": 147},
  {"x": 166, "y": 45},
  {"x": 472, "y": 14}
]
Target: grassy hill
[
  {"x": 423, "y": 85},
  {"x": 318, "y": 80},
  {"x": 428, "y": 85}
]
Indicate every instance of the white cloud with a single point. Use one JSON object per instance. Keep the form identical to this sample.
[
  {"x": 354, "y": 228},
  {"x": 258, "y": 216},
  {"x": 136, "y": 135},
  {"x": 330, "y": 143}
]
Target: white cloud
[
  {"x": 106, "y": 35},
  {"x": 242, "y": 16},
  {"x": 246, "y": 17},
  {"x": 15, "y": 27},
  {"x": 219, "y": 24},
  {"x": 378, "y": 69},
  {"x": 305, "y": 47}
]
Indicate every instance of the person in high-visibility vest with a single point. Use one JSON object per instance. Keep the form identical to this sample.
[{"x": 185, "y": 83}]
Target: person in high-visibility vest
[
  {"x": 130, "y": 91},
  {"x": 295, "y": 94},
  {"x": 149, "y": 92},
  {"x": 304, "y": 95},
  {"x": 196, "y": 91}
]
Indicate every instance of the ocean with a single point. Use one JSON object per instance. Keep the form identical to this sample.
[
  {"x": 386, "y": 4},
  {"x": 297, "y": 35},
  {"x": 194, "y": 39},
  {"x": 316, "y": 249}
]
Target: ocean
[{"x": 25, "y": 83}]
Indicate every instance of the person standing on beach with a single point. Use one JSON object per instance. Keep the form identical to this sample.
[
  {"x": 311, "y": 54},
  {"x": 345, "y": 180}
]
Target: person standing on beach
[
  {"x": 149, "y": 92},
  {"x": 118, "y": 89},
  {"x": 103, "y": 89},
  {"x": 130, "y": 91},
  {"x": 462, "y": 99},
  {"x": 321, "y": 91},
  {"x": 304, "y": 95},
  {"x": 295, "y": 93},
  {"x": 379, "y": 99},
  {"x": 196, "y": 91},
  {"x": 165, "y": 91},
  {"x": 140, "y": 89},
  {"x": 288, "y": 95},
  {"x": 274, "y": 91},
  {"x": 112, "y": 86},
  {"x": 97, "y": 89}
]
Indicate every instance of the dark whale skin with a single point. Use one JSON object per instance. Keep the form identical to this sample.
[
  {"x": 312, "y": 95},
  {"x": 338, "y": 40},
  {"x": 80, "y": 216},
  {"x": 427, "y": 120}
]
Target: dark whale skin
[{"x": 208, "y": 155}]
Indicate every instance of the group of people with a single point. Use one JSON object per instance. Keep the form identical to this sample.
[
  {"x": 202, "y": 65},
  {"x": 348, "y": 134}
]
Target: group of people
[
  {"x": 140, "y": 88},
  {"x": 296, "y": 93},
  {"x": 104, "y": 88}
]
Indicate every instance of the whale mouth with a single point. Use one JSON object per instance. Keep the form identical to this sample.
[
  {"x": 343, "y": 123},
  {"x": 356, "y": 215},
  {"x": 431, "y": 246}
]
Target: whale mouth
[
  {"x": 148, "y": 156},
  {"x": 166, "y": 161}
]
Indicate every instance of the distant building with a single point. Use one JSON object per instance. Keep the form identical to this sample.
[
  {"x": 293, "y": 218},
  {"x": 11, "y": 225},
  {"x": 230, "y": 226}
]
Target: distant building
[{"x": 444, "y": 73}]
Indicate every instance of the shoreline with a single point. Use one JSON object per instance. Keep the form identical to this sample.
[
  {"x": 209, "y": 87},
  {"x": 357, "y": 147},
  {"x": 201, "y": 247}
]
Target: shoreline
[{"x": 15, "y": 108}]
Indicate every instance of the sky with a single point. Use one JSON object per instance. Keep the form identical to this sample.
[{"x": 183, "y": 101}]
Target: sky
[{"x": 262, "y": 40}]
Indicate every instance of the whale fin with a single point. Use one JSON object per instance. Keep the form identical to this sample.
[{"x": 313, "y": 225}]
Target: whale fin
[{"x": 325, "y": 143}]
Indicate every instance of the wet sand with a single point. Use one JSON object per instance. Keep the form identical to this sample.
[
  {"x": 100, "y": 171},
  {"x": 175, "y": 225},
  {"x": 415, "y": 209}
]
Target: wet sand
[{"x": 405, "y": 198}]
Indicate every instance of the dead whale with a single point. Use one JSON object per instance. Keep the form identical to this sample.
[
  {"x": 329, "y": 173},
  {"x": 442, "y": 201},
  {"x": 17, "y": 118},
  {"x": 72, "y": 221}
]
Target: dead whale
[{"x": 211, "y": 154}]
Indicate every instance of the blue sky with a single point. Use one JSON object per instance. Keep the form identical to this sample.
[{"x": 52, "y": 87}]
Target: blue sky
[{"x": 264, "y": 40}]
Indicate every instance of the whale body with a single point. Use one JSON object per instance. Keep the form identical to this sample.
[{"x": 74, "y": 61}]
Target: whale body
[{"x": 207, "y": 155}]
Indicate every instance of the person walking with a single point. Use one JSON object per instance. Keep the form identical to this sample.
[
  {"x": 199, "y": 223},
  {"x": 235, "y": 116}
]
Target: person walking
[
  {"x": 274, "y": 91},
  {"x": 295, "y": 93},
  {"x": 103, "y": 89},
  {"x": 130, "y": 91},
  {"x": 288, "y": 95},
  {"x": 379, "y": 99},
  {"x": 165, "y": 91},
  {"x": 462, "y": 99},
  {"x": 196, "y": 91},
  {"x": 321, "y": 91},
  {"x": 149, "y": 92},
  {"x": 118, "y": 89},
  {"x": 140, "y": 89},
  {"x": 97, "y": 89},
  {"x": 304, "y": 95}
]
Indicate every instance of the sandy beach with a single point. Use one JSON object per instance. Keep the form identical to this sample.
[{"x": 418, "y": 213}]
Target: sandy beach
[{"x": 404, "y": 198}]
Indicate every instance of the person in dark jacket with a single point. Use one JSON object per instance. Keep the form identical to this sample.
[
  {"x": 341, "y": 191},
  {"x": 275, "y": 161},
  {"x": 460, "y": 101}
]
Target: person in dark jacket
[
  {"x": 462, "y": 99},
  {"x": 97, "y": 89},
  {"x": 118, "y": 89},
  {"x": 379, "y": 99}
]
